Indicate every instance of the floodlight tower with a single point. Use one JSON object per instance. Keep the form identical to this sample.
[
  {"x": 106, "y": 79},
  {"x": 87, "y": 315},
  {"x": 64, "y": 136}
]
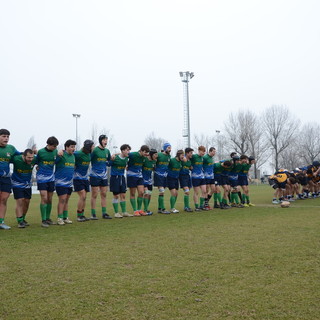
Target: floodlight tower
[
  {"x": 185, "y": 77},
  {"x": 76, "y": 115}
]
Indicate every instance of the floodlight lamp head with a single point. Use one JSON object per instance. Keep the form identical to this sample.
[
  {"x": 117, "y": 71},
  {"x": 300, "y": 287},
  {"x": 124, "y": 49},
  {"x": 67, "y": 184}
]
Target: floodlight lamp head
[{"x": 191, "y": 75}]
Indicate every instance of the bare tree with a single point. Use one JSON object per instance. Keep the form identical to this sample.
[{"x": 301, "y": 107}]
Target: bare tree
[
  {"x": 154, "y": 142},
  {"x": 203, "y": 140},
  {"x": 237, "y": 128},
  {"x": 309, "y": 142},
  {"x": 280, "y": 129},
  {"x": 96, "y": 132}
]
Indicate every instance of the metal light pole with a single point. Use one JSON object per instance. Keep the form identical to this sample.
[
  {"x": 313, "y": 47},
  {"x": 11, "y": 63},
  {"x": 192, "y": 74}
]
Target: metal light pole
[
  {"x": 185, "y": 77},
  {"x": 76, "y": 115}
]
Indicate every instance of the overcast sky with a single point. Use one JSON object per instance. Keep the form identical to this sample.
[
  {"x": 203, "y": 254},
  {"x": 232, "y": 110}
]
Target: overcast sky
[{"x": 117, "y": 64}]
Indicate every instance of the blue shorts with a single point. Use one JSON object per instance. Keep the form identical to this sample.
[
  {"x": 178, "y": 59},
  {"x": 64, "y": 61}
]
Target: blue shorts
[
  {"x": 224, "y": 180},
  {"x": 133, "y": 182},
  {"x": 80, "y": 185},
  {"x": 217, "y": 179},
  {"x": 47, "y": 186},
  {"x": 149, "y": 187},
  {"x": 98, "y": 182},
  {"x": 243, "y": 180},
  {"x": 185, "y": 181},
  {"x": 63, "y": 190},
  {"x": 22, "y": 193},
  {"x": 118, "y": 184},
  {"x": 209, "y": 181},
  {"x": 233, "y": 181},
  {"x": 172, "y": 183},
  {"x": 198, "y": 182},
  {"x": 159, "y": 181},
  {"x": 5, "y": 184}
]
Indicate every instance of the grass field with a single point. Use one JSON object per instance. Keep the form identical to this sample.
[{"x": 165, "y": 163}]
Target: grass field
[{"x": 253, "y": 263}]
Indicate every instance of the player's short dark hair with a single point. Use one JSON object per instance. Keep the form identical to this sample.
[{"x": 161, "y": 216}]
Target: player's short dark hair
[
  {"x": 69, "y": 143},
  {"x": 211, "y": 149},
  {"x": 232, "y": 154},
  {"x": 4, "y": 132},
  {"x": 227, "y": 164},
  {"x": 102, "y": 137},
  {"x": 187, "y": 150},
  {"x": 243, "y": 156},
  {"x": 124, "y": 147},
  {"x": 145, "y": 148},
  {"x": 25, "y": 152},
  {"x": 52, "y": 141}
]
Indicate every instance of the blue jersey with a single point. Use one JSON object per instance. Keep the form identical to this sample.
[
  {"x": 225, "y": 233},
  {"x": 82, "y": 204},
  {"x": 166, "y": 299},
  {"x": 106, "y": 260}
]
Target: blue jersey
[
  {"x": 82, "y": 163},
  {"x": 22, "y": 172},
  {"x": 135, "y": 165},
  {"x": 45, "y": 161},
  {"x": 147, "y": 169},
  {"x": 197, "y": 167},
  {"x": 162, "y": 164},
  {"x": 99, "y": 161},
  {"x": 208, "y": 167},
  {"x": 6, "y": 155},
  {"x": 64, "y": 170}
]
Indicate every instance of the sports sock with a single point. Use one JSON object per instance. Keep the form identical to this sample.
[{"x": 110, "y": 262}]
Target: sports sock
[
  {"x": 139, "y": 202},
  {"x": 43, "y": 210},
  {"x": 186, "y": 201},
  {"x": 115, "y": 204},
  {"x": 201, "y": 202},
  {"x": 133, "y": 204},
  {"x": 123, "y": 206},
  {"x": 48, "y": 210},
  {"x": 93, "y": 213},
  {"x": 104, "y": 210},
  {"x": 161, "y": 202},
  {"x": 65, "y": 214},
  {"x": 172, "y": 202},
  {"x": 145, "y": 204}
]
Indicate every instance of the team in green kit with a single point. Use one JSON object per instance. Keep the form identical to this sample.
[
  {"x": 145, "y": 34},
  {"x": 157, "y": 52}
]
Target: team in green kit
[{"x": 93, "y": 169}]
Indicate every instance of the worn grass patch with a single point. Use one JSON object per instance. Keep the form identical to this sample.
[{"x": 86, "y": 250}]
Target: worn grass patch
[{"x": 254, "y": 263}]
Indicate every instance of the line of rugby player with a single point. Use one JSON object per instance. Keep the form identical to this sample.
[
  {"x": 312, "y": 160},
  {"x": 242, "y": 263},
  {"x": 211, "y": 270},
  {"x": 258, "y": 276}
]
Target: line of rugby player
[{"x": 86, "y": 170}]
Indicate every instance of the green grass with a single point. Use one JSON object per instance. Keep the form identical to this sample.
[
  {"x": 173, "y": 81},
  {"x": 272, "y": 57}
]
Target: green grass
[{"x": 253, "y": 263}]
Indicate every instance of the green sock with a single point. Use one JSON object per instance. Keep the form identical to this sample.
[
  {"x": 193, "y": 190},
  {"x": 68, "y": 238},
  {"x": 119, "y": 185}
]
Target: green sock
[
  {"x": 224, "y": 201},
  {"x": 196, "y": 205},
  {"x": 219, "y": 197},
  {"x": 65, "y": 214},
  {"x": 123, "y": 206},
  {"x": 104, "y": 210},
  {"x": 146, "y": 203},
  {"x": 201, "y": 202},
  {"x": 139, "y": 202},
  {"x": 60, "y": 215},
  {"x": 133, "y": 204},
  {"x": 48, "y": 211},
  {"x": 115, "y": 204},
  {"x": 1, "y": 220},
  {"x": 93, "y": 213},
  {"x": 236, "y": 198},
  {"x": 248, "y": 200},
  {"x": 172, "y": 201},
  {"x": 215, "y": 197},
  {"x": 24, "y": 216},
  {"x": 231, "y": 197},
  {"x": 161, "y": 202},
  {"x": 186, "y": 201},
  {"x": 43, "y": 210},
  {"x": 20, "y": 219}
]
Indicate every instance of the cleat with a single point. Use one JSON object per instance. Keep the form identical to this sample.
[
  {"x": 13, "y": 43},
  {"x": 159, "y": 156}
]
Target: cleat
[
  {"x": 208, "y": 207},
  {"x": 4, "y": 226},
  {"x": 226, "y": 206},
  {"x": 106, "y": 216},
  {"x": 118, "y": 215},
  {"x": 136, "y": 213},
  {"x": 26, "y": 223},
  {"x": 275, "y": 201},
  {"x": 149, "y": 213},
  {"x": 45, "y": 224},
  {"x": 216, "y": 206},
  {"x": 205, "y": 208},
  {"x": 246, "y": 205},
  {"x": 142, "y": 213},
  {"x": 186, "y": 209},
  {"x": 164, "y": 211},
  {"x": 197, "y": 209},
  {"x": 21, "y": 224},
  {"x": 94, "y": 217},
  {"x": 81, "y": 219},
  {"x": 174, "y": 210},
  {"x": 127, "y": 214},
  {"x": 50, "y": 222},
  {"x": 251, "y": 204},
  {"x": 60, "y": 222},
  {"x": 233, "y": 205},
  {"x": 67, "y": 221},
  {"x": 240, "y": 205}
]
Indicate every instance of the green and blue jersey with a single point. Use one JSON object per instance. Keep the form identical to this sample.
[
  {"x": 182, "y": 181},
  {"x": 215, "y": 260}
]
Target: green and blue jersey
[
  {"x": 64, "y": 170},
  {"x": 99, "y": 161},
  {"x": 82, "y": 163},
  {"x": 6, "y": 155},
  {"x": 22, "y": 172},
  {"x": 46, "y": 161}
]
